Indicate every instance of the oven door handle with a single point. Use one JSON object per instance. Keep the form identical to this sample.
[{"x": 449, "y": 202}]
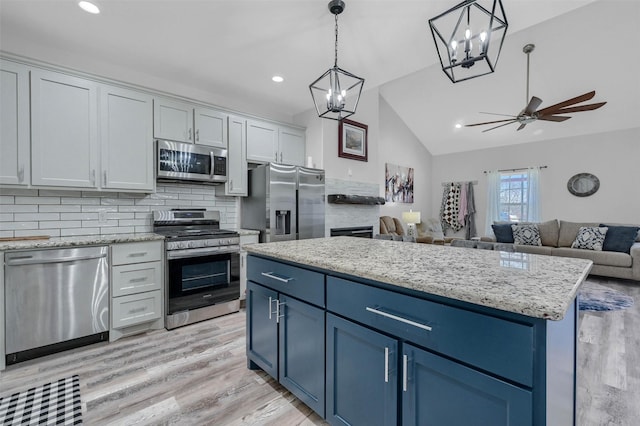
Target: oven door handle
[{"x": 203, "y": 251}]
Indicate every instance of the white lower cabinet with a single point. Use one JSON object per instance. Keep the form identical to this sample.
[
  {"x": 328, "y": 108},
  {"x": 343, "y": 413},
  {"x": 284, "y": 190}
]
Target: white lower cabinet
[
  {"x": 136, "y": 288},
  {"x": 245, "y": 239}
]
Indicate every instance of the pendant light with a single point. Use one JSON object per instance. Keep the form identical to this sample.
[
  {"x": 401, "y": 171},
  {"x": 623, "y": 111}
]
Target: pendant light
[
  {"x": 469, "y": 38},
  {"x": 336, "y": 92}
]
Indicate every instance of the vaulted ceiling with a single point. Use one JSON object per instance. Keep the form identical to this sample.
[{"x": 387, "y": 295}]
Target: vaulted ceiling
[{"x": 233, "y": 47}]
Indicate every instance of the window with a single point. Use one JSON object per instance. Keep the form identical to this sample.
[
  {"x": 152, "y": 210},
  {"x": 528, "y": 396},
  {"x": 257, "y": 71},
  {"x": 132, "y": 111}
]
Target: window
[{"x": 514, "y": 197}]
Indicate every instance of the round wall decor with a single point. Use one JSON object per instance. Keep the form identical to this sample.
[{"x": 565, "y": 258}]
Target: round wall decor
[{"x": 583, "y": 184}]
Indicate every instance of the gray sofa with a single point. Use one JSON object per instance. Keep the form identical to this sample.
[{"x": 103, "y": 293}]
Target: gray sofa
[{"x": 557, "y": 237}]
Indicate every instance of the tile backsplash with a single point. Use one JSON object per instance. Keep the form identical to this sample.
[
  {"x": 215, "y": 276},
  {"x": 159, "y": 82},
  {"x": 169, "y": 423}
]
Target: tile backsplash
[{"x": 25, "y": 212}]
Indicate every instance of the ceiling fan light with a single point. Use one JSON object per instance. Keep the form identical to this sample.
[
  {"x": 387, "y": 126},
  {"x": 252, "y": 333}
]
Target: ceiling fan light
[{"x": 458, "y": 24}]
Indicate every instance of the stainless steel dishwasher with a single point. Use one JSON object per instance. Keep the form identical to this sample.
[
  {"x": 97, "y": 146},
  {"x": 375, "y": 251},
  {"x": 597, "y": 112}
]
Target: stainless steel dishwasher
[{"x": 55, "y": 299}]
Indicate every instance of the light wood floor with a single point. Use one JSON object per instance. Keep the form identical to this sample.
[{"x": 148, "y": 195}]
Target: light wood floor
[{"x": 197, "y": 375}]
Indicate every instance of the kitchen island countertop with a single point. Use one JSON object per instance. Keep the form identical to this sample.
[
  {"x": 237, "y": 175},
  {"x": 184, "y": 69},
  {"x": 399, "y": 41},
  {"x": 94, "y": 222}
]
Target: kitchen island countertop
[
  {"x": 81, "y": 240},
  {"x": 533, "y": 285}
]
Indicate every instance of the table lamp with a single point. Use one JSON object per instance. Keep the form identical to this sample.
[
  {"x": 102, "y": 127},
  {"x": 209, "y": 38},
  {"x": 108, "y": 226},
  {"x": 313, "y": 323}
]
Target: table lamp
[{"x": 411, "y": 218}]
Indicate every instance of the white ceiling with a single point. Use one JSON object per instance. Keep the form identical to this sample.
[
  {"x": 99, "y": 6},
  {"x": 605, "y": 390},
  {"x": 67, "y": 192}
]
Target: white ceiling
[{"x": 233, "y": 47}]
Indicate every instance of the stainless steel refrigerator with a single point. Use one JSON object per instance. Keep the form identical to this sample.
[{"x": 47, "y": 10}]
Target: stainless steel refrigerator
[{"x": 285, "y": 202}]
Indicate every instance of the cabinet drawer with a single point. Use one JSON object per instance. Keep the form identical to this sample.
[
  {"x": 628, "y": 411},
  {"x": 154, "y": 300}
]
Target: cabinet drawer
[
  {"x": 136, "y": 309},
  {"x": 497, "y": 345},
  {"x": 297, "y": 282},
  {"x": 136, "y": 278},
  {"x": 146, "y": 251}
]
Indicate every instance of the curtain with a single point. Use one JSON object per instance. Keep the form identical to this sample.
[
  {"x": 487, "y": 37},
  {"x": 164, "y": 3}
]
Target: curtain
[
  {"x": 533, "y": 204},
  {"x": 493, "y": 201}
]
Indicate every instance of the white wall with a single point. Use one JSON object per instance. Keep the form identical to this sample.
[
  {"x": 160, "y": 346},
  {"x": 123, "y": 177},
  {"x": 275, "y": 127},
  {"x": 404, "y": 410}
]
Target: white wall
[
  {"x": 612, "y": 157},
  {"x": 389, "y": 141},
  {"x": 399, "y": 146}
]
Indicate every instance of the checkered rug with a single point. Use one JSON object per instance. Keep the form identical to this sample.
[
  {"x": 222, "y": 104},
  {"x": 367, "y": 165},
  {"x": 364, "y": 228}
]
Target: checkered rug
[{"x": 56, "y": 403}]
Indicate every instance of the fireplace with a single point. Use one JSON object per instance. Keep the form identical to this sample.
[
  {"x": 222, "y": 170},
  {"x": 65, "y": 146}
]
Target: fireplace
[{"x": 353, "y": 231}]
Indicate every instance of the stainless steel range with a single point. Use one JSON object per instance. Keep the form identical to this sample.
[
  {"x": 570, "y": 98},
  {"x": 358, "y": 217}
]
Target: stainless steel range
[{"x": 202, "y": 265}]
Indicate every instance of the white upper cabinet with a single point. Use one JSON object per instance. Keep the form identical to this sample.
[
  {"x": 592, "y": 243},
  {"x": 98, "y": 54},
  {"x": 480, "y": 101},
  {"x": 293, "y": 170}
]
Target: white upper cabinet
[
  {"x": 262, "y": 142},
  {"x": 64, "y": 131},
  {"x": 126, "y": 130},
  {"x": 185, "y": 122},
  {"x": 236, "y": 184},
  {"x": 173, "y": 120},
  {"x": 211, "y": 127},
  {"x": 14, "y": 124},
  {"x": 291, "y": 143},
  {"x": 267, "y": 142}
]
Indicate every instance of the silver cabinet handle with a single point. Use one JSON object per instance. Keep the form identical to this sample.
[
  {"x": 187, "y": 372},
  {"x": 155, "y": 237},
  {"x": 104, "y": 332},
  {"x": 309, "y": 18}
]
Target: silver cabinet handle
[
  {"x": 93, "y": 177},
  {"x": 189, "y": 134},
  {"x": 281, "y": 156},
  {"x": 104, "y": 178},
  {"x": 270, "y": 300},
  {"x": 397, "y": 318},
  {"x": 138, "y": 254},
  {"x": 138, "y": 280},
  {"x": 405, "y": 361},
  {"x": 231, "y": 183},
  {"x": 275, "y": 277},
  {"x": 278, "y": 316},
  {"x": 276, "y": 156},
  {"x": 386, "y": 364},
  {"x": 21, "y": 173},
  {"x": 197, "y": 135}
]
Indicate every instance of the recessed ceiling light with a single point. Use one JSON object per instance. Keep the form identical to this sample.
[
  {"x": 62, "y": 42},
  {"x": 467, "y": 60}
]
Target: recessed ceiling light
[
  {"x": 87, "y": 6},
  {"x": 458, "y": 126},
  {"x": 277, "y": 79}
]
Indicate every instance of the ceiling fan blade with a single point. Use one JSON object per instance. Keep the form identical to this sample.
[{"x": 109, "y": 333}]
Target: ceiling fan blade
[
  {"x": 588, "y": 107},
  {"x": 488, "y": 122},
  {"x": 534, "y": 103},
  {"x": 555, "y": 118},
  {"x": 502, "y": 125},
  {"x": 577, "y": 99},
  {"x": 494, "y": 113},
  {"x": 520, "y": 127}
]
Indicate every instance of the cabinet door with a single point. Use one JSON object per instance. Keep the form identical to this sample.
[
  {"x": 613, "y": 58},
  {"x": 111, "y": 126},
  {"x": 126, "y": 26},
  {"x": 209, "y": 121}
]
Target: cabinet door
[
  {"x": 237, "y": 157},
  {"x": 127, "y": 139},
  {"x": 437, "y": 391},
  {"x": 262, "y": 329},
  {"x": 14, "y": 124},
  {"x": 292, "y": 146},
  {"x": 172, "y": 120},
  {"x": 211, "y": 127},
  {"x": 262, "y": 142},
  {"x": 362, "y": 382},
  {"x": 64, "y": 132},
  {"x": 302, "y": 351}
]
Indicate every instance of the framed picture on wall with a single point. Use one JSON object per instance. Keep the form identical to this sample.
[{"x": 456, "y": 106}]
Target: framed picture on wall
[{"x": 352, "y": 140}]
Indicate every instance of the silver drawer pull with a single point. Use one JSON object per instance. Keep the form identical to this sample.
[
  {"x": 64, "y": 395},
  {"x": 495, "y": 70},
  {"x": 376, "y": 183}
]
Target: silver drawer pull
[
  {"x": 397, "y": 318},
  {"x": 275, "y": 277},
  {"x": 136, "y": 310},
  {"x": 143, "y": 253},
  {"x": 138, "y": 280}
]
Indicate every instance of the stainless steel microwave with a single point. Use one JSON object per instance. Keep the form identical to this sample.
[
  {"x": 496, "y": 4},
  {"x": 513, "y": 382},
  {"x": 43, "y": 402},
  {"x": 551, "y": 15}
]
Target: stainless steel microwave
[{"x": 179, "y": 161}]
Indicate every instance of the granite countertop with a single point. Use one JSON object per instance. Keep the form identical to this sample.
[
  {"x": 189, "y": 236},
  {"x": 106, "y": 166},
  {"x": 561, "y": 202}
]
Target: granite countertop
[
  {"x": 248, "y": 232},
  {"x": 533, "y": 285},
  {"x": 82, "y": 240}
]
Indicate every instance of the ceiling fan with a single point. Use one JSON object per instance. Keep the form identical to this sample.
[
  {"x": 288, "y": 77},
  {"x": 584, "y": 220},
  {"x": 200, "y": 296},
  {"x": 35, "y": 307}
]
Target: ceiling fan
[{"x": 530, "y": 113}]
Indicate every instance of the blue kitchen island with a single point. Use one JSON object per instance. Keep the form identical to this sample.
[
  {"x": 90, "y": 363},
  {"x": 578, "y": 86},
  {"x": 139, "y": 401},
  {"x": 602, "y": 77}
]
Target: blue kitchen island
[{"x": 373, "y": 332}]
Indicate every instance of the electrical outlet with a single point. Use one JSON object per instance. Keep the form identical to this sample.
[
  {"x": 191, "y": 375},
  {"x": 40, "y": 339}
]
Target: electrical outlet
[{"x": 102, "y": 216}]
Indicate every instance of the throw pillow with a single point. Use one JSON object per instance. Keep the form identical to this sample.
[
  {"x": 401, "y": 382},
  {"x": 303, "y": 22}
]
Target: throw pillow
[
  {"x": 590, "y": 238},
  {"x": 620, "y": 238},
  {"x": 526, "y": 235},
  {"x": 503, "y": 232}
]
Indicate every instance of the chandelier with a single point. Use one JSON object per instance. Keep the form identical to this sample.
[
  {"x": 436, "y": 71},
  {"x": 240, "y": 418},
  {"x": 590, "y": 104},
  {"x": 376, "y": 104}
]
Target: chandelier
[
  {"x": 469, "y": 38},
  {"x": 336, "y": 92}
]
